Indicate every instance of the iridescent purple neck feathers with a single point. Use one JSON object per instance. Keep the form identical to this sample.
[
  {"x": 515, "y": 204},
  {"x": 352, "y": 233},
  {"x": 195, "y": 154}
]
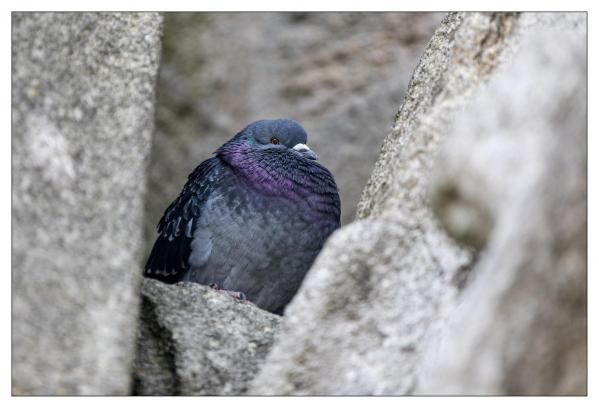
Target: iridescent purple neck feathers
[
  {"x": 278, "y": 172},
  {"x": 271, "y": 156}
]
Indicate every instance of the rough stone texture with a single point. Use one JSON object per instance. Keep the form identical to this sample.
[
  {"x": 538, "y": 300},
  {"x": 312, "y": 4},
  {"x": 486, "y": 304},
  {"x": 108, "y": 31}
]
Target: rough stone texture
[
  {"x": 380, "y": 291},
  {"x": 341, "y": 75},
  {"x": 194, "y": 340},
  {"x": 516, "y": 158},
  {"x": 82, "y": 92}
]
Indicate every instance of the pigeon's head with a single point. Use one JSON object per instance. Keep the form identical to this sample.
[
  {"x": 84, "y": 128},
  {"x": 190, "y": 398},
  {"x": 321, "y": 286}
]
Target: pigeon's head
[
  {"x": 273, "y": 137},
  {"x": 273, "y": 156}
]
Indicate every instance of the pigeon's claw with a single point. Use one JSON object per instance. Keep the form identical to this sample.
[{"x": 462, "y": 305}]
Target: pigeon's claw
[{"x": 237, "y": 295}]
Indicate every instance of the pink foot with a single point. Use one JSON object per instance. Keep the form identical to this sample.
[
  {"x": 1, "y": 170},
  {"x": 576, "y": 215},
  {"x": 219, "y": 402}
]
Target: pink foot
[{"x": 237, "y": 295}]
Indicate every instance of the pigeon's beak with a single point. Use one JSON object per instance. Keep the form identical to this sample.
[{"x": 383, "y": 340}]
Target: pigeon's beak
[{"x": 305, "y": 151}]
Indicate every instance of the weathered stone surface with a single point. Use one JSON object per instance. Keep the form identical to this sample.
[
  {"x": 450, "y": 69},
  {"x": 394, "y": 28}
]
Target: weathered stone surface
[
  {"x": 194, "y": 340},
  {"x": 379, "y": 293},
  {"x": 341, "y": 75},
  {"x": 82, "y": 92},
  {"x": 516, "y": 158}
]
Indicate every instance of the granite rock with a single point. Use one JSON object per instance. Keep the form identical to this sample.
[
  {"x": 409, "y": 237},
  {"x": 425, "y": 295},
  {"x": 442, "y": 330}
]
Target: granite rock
[
  {"x": 82, "y": 119},
  {"x": 194, "y": 340},
  {"x": 511, "y": 180}
]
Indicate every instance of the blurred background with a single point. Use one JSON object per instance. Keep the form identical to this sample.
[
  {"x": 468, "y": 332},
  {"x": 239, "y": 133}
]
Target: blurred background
[{"x": 341, "y": 75}]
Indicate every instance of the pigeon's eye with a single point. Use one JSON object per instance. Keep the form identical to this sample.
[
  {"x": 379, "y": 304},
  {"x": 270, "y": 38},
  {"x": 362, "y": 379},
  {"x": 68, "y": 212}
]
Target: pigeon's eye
[{"x": 274, "y": 140}]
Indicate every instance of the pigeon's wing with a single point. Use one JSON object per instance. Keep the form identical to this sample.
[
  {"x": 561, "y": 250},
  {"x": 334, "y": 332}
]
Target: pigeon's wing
[{"x": 169, "y": 259}]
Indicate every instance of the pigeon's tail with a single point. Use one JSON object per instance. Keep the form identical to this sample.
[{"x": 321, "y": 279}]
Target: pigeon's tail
[{"x": 168, "y": 260}]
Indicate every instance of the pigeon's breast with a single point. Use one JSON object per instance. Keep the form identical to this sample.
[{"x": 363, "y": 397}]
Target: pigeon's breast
[{"x": 257, "y": 243}]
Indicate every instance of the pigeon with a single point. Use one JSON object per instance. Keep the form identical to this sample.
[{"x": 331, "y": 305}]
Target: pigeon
[{"x": 251, "y": 219}]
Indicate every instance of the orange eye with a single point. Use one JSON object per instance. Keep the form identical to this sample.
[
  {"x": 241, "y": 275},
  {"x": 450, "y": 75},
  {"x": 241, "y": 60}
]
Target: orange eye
[{"x": 274, "y": 141}]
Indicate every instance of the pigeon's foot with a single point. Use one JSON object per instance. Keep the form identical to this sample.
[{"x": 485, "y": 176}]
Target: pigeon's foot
[{"x": 237, "y": 295}]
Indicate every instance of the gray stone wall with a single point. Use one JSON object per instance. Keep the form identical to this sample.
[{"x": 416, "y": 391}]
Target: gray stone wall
[
  {"x": 511, "y": 178},
  {"x": 82, "y": 119}
]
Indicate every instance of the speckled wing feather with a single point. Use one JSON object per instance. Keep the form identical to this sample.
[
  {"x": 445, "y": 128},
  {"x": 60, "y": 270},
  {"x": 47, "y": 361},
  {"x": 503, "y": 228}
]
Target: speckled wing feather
[{"x": 169, "y": 259}]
